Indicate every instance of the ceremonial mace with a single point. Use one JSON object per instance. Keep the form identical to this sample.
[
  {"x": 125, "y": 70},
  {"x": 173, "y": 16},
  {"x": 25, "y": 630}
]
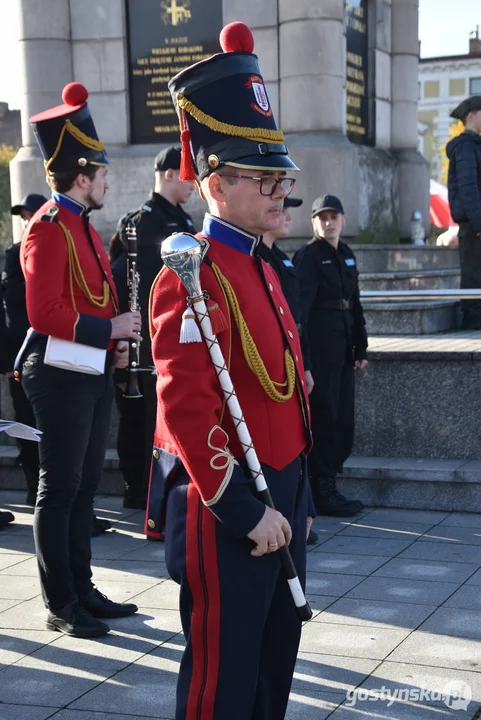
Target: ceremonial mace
[{"x": 183, "y": 254}]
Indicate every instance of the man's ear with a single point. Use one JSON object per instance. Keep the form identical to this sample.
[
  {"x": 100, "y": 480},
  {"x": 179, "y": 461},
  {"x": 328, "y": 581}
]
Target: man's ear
[
  {"x": 216, "y": 186},
  {"x": 82, "y": 181},
  {"x": 168, "y": 175},
  {"x": 343, "y": 220}
]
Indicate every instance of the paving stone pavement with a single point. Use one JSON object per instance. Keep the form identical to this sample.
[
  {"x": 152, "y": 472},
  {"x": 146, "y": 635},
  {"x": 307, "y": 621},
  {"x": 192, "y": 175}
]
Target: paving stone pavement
[{"x": 396, "y": 632}]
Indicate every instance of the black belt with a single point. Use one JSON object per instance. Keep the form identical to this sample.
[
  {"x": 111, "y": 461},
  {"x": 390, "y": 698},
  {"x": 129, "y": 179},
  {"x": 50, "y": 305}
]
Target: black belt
[{"x": 342, "y": 304}]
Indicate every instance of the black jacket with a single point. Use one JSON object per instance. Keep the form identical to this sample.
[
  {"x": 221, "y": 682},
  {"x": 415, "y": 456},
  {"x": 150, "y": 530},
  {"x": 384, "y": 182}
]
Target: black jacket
[
  {"x": 464, "y": 178},
  {"x": 13, "y": 286},
  {"x": 327, "y": 277},
  {"x": 155, "y": 220},
  {"x": 286, "y": 272},
  {"x": 5, "y": 364}
]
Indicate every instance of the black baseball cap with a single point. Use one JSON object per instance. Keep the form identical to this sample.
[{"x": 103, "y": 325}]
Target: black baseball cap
[
  {"x": 327, "y": 202},
  {"x": 168, "y": 159},
  {"x": 32, "y": 203},
  {"x": 292, "y": 202}
]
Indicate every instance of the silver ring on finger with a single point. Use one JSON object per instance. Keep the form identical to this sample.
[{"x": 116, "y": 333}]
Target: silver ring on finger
[{"x": 273, "y": 544}]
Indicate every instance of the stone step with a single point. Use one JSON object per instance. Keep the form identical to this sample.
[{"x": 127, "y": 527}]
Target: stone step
[
  {"x": 407, "y": 258},
  {"x": 420, "y": 317},
  {"x": 415, "y": 483},
  {"x": 391, "y": 258},
  {"x": 441, "y": 279},
  {"x": 12, "y": 477},
  {"x": 419, "y": 397}
]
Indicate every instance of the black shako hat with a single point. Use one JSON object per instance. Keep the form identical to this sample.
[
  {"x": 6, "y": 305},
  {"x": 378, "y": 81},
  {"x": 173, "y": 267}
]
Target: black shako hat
[
  {"x": 224, "y": 112},
  {"x": 327, "y": 202},
  {"x": 31, "y": 202},
  {"x": 471, "y": 104},
  {"x": 66, "y": 133},
  {"x": 168, "y": 159}
]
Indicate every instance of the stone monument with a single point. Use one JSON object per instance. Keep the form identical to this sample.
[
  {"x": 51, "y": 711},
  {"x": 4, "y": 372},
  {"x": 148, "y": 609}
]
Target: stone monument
[{"x": 342, "y": 78}]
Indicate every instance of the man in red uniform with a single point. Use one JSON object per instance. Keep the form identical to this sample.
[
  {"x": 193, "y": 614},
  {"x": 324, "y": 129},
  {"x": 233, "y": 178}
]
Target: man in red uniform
[
  {"x": 238, "y": 616},
  {"x": 71, "y": 296}
]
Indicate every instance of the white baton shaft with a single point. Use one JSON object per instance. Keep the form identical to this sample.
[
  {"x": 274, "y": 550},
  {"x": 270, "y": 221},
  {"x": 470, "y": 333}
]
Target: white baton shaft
[{"x": 302, "y": 606}]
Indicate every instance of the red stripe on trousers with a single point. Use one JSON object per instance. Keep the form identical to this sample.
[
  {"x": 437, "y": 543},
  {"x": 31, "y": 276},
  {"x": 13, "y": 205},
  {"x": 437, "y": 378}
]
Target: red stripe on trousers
[{"x": 203, "y": 578}]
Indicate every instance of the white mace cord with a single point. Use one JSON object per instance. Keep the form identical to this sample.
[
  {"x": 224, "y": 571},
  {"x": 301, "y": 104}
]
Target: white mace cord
[{"x": 183, "y": 254}]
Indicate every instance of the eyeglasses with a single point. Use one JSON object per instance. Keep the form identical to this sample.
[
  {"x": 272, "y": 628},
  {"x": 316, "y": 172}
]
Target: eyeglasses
[{"x": 267, "y": 185}]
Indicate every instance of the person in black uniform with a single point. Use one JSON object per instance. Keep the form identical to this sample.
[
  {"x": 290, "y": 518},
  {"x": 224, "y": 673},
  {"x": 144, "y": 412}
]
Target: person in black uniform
[
  {"x": 464, "y": 191},
  {"x": 333, "y": 320},
  {"x": 13, "y": 283},
  {"x": 286, "y": 272},
  {"x": 161, "y": 216},
  {"x": 5, "y": 516}
]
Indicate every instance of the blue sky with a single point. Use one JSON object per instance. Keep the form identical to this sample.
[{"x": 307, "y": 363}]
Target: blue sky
[{"x": 444, "y": 27}]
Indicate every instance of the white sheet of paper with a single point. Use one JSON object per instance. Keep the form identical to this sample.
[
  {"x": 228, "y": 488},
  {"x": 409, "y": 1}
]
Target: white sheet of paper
[{"x": 19, "y": 430}]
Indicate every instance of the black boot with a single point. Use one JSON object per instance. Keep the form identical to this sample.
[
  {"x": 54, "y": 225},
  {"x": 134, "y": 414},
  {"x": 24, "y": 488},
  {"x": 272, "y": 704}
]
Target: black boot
[
  {"x": 135, "y": 499},
  {"x": 100, "y": 606},
  {"x": 100, "y": 526},
  {"x": 328, "y": 501},
  {"x": 74, "y": 620}
]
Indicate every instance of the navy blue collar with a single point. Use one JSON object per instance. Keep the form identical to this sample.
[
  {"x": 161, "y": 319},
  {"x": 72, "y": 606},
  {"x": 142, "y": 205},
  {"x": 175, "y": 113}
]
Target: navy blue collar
[
  {"x": 230, "y": 235},
  {"x": 69, "y": 203}
]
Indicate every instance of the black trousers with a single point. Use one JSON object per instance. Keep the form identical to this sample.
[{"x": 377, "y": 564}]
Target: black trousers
[
  {"x": 28, "y": 450},
  {"x": 332, "y": 415},
  {"x": 470, "y": 261},
  {"x": 73, "y": 411},
  {"x": 135, "y": 437}
]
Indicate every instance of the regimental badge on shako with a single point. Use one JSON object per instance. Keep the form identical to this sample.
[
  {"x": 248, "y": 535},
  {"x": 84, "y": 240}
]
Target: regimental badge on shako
[{"x": 261, "y": 103}]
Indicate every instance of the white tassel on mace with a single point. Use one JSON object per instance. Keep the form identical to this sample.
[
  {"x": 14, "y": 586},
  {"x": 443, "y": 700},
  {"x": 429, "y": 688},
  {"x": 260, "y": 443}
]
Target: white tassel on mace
[{"x": 189, "y": 330}]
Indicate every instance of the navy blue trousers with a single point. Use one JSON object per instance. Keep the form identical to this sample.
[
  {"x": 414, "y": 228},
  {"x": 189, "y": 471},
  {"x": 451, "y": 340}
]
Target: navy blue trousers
[{"x": 238, "y": 616}]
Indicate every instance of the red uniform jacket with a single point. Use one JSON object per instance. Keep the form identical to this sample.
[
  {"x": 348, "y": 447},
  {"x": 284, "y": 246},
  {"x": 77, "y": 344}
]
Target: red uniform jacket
[
  {"x": 191, "y": 420},
  {"x": 45, "y": 264}
]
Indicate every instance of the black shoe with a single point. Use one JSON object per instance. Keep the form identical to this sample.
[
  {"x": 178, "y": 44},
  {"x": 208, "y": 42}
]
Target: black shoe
[
  {"x": 100, "y": 526},
  {"x": 100, "y": 606},
  {"x": 135, "y": 500},
  {"x": 74, "y": 620},
  {"x": 5, "y": 518},
  {"x": 358, "y": 503},
  {"x": 337, "y": 506},
  {"x": 313, "y": 538}
]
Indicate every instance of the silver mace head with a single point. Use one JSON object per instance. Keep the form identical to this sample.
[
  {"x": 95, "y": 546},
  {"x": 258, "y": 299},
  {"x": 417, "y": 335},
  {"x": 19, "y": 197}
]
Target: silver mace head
[{"x": 183, "y": 254}]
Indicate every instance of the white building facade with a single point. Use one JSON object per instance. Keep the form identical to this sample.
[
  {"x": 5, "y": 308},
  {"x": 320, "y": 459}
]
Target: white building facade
[{"x": 443, "y": 83}]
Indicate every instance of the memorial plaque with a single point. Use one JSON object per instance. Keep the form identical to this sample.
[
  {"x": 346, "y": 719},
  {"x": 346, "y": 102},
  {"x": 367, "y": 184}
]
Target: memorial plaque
[
  {"x": 164, "y": 37},
  {"x": 357, "y": 112}
]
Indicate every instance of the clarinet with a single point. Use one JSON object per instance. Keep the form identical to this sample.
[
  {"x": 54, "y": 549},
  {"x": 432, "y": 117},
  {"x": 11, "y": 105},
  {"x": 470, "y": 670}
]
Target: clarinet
[{"x": 133, "y": 369}]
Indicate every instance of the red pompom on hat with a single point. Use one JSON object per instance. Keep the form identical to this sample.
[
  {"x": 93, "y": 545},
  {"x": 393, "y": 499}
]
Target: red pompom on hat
[
  {"x": 75, "y": 94},
  {"x": 236, "y": 37}
]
